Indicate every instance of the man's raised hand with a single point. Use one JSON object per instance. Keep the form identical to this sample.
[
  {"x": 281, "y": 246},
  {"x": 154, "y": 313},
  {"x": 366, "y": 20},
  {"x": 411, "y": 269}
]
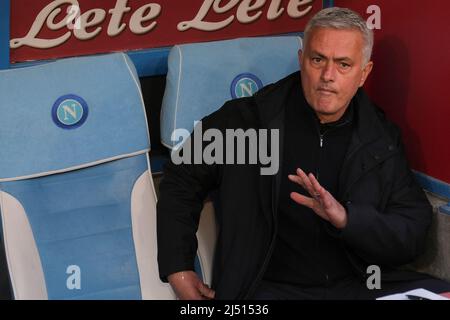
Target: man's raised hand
[{"x": 321, "y": 201}]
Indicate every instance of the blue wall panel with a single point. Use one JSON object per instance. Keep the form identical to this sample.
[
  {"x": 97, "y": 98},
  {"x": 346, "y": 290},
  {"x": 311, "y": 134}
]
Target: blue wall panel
[{"x": 4, "y": 34}]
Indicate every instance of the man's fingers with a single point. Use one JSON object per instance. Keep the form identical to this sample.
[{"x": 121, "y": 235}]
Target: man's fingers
[
  {"x": 306, "y": 181},
  {"x": 326, "y": 198},
  {"x": 310, "y": 203},
  {"x": 206, "y": 291},
  {"x": 318, "y": 189},
  {"x": 296, "y": 179},
  {"x": 185, "y": 284},
  {"x": 321, "y": 200},
  {"x": 301, "y": 199}
]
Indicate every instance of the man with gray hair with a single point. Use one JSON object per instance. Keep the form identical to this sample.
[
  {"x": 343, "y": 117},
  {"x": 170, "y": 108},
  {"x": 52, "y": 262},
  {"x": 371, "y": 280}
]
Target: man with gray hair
[{"x": 343, "y": 201}]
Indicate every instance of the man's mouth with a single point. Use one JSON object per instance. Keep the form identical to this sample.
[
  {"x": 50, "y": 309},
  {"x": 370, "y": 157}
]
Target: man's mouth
[{"x": 326, "y": 91}]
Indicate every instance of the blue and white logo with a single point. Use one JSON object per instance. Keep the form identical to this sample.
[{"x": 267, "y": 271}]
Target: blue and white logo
[
  {"x": 245, "y": 85},
  {"x": 70, "y": 111}
]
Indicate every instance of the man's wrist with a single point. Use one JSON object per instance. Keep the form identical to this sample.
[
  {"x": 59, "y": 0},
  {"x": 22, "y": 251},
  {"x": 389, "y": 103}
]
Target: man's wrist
[{"x": 342, "y": 223}]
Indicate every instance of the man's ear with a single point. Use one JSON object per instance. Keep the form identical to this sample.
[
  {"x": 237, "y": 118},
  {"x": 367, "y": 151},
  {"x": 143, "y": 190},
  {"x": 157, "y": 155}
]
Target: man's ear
[
  {"x": 300, "y": 55},
  {"x": 365, "y": 72}
]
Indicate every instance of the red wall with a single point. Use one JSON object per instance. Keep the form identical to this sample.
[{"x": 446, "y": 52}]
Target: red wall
[{"x": 411, "y": 76}]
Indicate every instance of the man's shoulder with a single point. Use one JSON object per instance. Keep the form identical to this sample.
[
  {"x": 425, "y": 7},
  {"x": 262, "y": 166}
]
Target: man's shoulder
[
  {"x": 389, "y": 129},
  {"x": 279, "y": 87}
]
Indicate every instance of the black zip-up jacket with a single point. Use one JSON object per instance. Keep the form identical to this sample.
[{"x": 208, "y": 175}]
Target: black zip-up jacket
[{"x": 388, "y": 213}]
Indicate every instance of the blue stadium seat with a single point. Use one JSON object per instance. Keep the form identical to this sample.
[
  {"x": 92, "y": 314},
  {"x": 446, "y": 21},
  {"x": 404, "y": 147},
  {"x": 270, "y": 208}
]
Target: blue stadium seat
[{"x": 76, "y": 193}]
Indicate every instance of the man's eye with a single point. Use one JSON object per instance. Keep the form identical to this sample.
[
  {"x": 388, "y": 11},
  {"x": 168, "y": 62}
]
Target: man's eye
[
  {"x": 344, "y": 65},
  {"x": 316, "y": 60}
]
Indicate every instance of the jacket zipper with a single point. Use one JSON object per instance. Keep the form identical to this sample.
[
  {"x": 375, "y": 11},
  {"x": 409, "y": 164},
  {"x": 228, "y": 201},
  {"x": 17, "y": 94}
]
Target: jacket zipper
[
  {"x": 320, "y": 155},
  {"x": 321, "y": 143},
  {"x": 317, "y": 232}
]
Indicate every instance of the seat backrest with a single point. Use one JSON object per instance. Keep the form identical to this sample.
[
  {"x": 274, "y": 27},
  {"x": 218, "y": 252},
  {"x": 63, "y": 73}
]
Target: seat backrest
[
  {"x": 201, "y": 78},
  {"x": 76, "y": 194}
]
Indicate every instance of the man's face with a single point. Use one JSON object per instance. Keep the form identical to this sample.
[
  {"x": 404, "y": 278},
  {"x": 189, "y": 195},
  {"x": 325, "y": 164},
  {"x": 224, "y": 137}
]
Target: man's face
[{"x": 332, "y": 70}]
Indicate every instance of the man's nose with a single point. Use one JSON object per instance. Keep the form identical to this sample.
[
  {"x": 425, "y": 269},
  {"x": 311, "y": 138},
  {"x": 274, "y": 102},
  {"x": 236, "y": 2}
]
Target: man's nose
[{"x": 328, "y": 72}]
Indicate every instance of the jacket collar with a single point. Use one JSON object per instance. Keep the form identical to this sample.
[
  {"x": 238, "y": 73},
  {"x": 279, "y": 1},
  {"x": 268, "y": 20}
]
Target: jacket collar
[
  {"x": 370, "y": 144},
  {"x": 272, "y": 99},
  {"x": 368, "y": 124}
]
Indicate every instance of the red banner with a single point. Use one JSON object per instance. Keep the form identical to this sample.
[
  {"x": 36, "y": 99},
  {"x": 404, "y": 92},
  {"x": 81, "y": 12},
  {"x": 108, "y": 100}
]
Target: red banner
[
  {"x": 44, "y": 29},
  {"x": 410, "y": 76}
]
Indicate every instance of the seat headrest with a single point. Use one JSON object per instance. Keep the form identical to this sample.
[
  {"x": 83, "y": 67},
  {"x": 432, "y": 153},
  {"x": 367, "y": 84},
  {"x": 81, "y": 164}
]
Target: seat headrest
[
  {"x": 68, "y": 114},
  {"x": 202, "y": 76}
]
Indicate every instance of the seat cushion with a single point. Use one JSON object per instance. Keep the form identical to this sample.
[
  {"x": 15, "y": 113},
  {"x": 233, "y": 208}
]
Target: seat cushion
[{"x": 81, "y": 218}]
